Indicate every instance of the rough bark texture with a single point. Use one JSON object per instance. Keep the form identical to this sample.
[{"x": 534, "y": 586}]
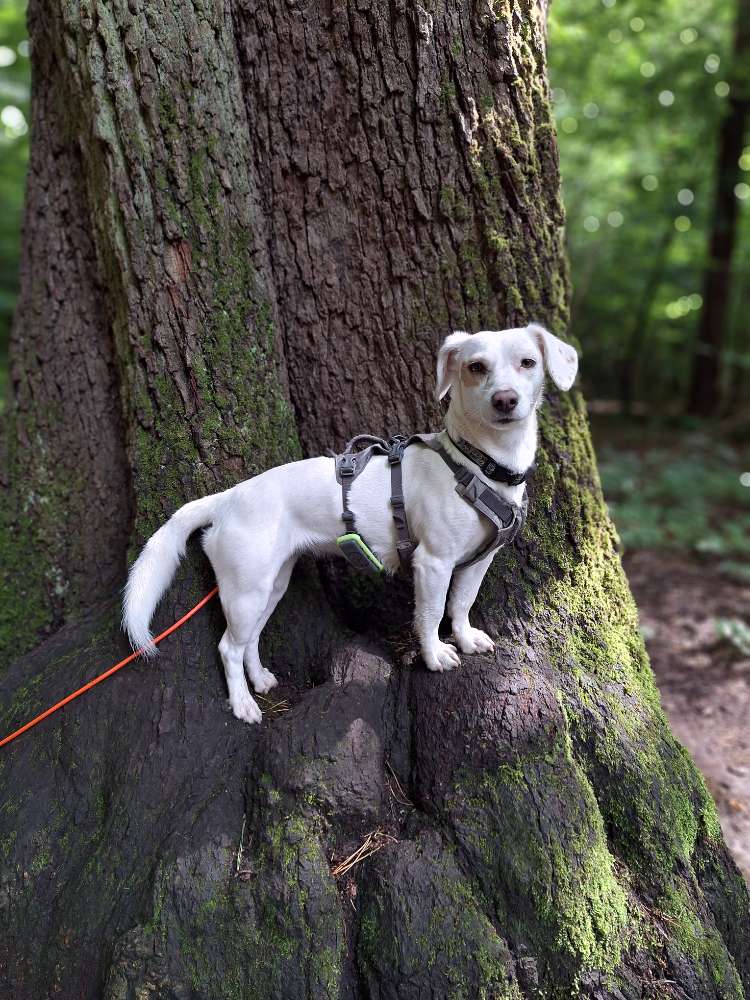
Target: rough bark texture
[
  {"x": 65, "y": 487},
  {"x": 705, "y": 386},
  {"x": 288, "y": 206},
  {"x": 409, "y": 177}
]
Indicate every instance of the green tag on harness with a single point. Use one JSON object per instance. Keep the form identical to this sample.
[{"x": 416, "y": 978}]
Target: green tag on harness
[{"x": 359, "y": 555}]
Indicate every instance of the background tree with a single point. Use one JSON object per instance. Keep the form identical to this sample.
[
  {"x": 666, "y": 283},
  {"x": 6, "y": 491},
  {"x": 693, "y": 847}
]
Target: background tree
[
  {"x": 14, "y": 147},
  {"x": 640, "y": 91},
  {"x": 705, "y": 387},
  {"x": 247, "y": 227}
]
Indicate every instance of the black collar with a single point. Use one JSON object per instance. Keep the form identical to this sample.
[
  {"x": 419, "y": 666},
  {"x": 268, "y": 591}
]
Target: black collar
[{"x": 489, "y": 467}]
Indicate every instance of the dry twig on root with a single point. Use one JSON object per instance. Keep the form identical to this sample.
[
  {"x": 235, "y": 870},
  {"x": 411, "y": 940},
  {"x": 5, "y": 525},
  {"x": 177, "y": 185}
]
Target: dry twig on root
[
  {"x": 373, "y": 842},
  {"x": 239, "y": 872},
  {"x": 399, "y": 794},
  {"x": 273, "y": 708}
]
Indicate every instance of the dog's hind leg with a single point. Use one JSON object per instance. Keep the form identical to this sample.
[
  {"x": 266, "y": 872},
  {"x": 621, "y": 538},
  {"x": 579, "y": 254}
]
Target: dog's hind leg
[
  {"x": 261, "y": 679},
  {"x": 242, "y": 703},
  {"x": 243, "y": 613}
]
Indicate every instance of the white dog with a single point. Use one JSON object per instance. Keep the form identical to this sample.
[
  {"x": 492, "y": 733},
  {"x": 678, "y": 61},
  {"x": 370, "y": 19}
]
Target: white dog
[{"x": 259, "y": 528}]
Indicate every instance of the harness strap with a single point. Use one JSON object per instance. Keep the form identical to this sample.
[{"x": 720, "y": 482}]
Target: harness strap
[
  {"x": 404, "y": 544},
  {"x": 346, "y": 470},
  {"x": 506, "y": 517},
  {"x": 352, "y": 462}
]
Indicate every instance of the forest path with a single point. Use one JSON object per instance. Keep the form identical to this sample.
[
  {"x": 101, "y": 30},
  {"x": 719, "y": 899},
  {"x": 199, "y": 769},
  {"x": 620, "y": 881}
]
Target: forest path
[{"x": 705, "y": 683}]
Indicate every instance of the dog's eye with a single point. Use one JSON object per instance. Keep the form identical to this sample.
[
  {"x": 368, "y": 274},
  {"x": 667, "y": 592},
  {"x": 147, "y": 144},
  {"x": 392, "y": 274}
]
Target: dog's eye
[
  {"x": 528, "y": 363},
  {"x": 477, "y": 367}
]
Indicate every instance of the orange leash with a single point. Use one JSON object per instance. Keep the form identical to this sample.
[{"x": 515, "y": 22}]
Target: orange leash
[{"x": 108, "y": 673}]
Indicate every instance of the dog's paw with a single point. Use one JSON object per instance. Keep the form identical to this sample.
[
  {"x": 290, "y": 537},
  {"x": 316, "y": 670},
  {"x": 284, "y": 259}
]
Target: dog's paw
[
  {"x": 473, "y": 640},
  {"x": 263, "y": 680},
  {"x": 442, "y": 657},
  {"x": 246, "y": 709}
]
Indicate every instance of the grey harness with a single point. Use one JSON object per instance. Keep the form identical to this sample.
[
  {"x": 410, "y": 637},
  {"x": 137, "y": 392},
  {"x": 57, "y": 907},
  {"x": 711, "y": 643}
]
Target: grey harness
[{"x": 506, "y": 517}]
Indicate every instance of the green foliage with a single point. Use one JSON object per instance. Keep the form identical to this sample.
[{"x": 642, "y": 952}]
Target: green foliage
[
  {"x": 639, "y": 91},
  {"x": 685, "y": 493},
  {"x": 14, "y": 151},
  {"x": 736, "y": 570},
  {"x": 735, "y": 632}
]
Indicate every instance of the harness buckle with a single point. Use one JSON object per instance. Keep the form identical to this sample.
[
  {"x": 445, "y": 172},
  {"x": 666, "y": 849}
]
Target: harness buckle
[
  {"x": 405, "y": 553},
  {"x": 399, "y": 519},
  {"x": 347, "y": 465},
  {"x": 396, "y": 449}
]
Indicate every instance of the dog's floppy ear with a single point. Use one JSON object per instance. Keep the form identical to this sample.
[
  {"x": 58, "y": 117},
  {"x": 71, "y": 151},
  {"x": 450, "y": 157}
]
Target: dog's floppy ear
[
  {"x": 561, "y": 359},
  {"x": 446, "y": 363}
]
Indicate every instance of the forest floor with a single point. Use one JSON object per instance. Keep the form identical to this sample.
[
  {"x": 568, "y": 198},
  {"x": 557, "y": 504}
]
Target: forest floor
[
  {"x": 704, "y": 681},
  {"x": 679, "y": 494}
]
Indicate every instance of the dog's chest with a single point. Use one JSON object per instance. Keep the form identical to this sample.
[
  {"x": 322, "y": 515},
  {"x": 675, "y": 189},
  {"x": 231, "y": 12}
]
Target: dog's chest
[{"x": 437, "y": 516}]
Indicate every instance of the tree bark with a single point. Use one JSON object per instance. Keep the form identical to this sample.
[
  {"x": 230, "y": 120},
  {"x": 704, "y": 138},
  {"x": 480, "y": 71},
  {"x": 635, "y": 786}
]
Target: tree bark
[
  {"x": 281, "y": 209},
  {"x": 711, "y": 337},
  {"x": 65, "y": 484}
]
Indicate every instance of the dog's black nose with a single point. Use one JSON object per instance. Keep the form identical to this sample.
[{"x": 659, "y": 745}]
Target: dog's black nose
[{"x": 505, "y": 401}]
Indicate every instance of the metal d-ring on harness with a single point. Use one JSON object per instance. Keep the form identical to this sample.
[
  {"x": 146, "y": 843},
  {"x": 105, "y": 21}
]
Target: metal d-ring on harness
[{"x": 507, "y": 518}]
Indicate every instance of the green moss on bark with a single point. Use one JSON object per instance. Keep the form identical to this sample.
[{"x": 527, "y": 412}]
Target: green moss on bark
[
  {"x": 233, "y": 937},
  {"x": 644, "y": 796},
  {"x": 444, "y": 945},
  {"x": 35, "y": 548},
  {"x": 553, "y": 885},
  {"x": 241, "y": 420},
  {"x": 653, "y": 800},
  {"x": 702, "y": 945}
]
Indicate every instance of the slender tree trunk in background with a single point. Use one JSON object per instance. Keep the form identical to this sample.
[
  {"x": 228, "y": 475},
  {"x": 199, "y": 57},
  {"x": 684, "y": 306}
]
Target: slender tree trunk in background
[
  {"x": 638, "y": 335},
  {"x": 274, "y": 213},
  {"x": 705, "y": 386},
  {"x": 739, "y": 374}
]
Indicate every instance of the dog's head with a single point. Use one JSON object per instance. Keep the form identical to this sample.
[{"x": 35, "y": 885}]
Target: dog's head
[{"x": 497, "y": 376}]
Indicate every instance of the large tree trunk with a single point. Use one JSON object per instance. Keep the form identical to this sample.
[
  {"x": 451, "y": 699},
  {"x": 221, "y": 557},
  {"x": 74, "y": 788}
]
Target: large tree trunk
[
  {"x": 711, "y": 337},
  {"x": 252, "y": 223}
]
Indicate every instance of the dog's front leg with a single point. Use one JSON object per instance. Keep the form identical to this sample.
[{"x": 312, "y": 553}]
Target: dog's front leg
[
  {"x": 432, "y": 577},
  {"x": 466, "y": 584}
]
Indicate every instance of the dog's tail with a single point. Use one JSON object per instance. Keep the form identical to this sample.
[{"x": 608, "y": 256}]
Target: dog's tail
[{"x": 152, "y": 572}]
